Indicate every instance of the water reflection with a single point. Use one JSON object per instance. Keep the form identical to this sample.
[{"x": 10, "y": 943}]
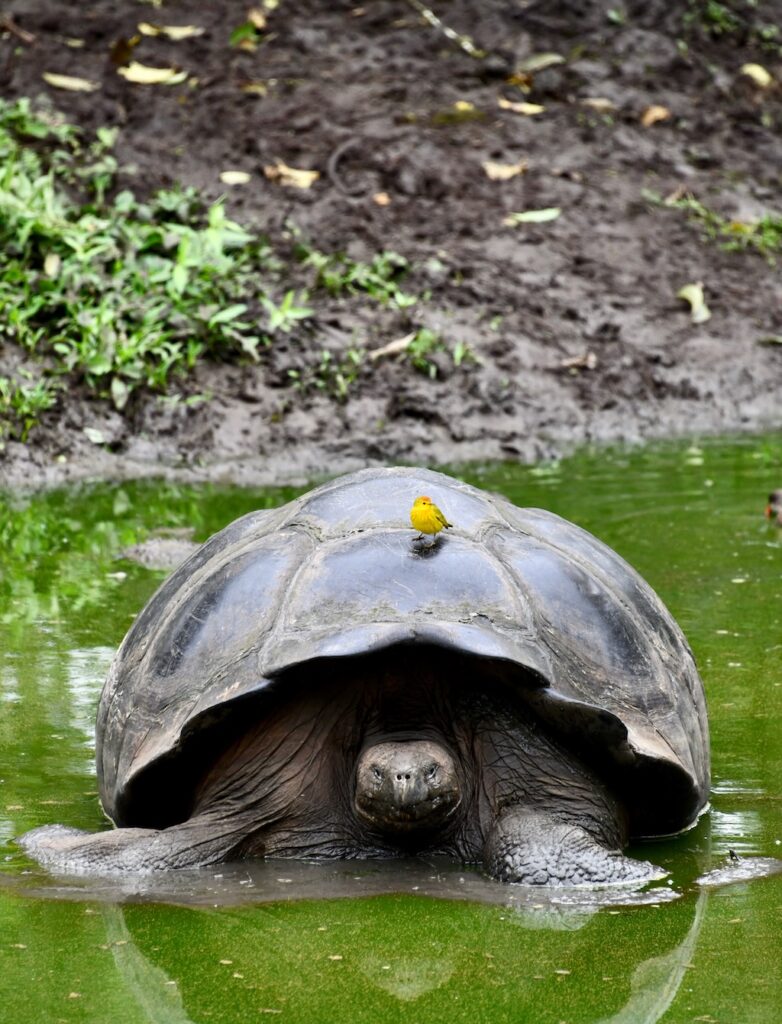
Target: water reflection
[{"x": 427, "y": 941}]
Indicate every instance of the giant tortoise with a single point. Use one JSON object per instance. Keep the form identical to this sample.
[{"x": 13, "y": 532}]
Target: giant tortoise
[{"x": 314, "y": 682}]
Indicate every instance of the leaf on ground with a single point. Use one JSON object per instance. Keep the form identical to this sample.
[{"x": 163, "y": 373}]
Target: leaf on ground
[
  {"x": 502, "y": 172},
  {"x": 532, "y": 216},
  {"x": 234, "y": 177},
  {"x": 539, "y": 61},
  {"x": 257, "y": 18},
  {"x": 528, "y": 109},
  {"x": 771, "y": 339},
  {"x": 381, "y": 199},
  {"x": 758, "y": 74},
  {"x": 290, "y": 177},
  {"x": 693, "y": 294},
  {"x": 120, "y": 392},
  {"x": 142, "y": 74},
  {"x": 393, "y": 348},
  {"x": 173, "y": 32},
  {"x": 94, "y": 435},
  {"x": 69, "y": 82},
  {"x": 598, "y": 103},
  {"x": 586, "y": 361},
  {"x": 653, "y": 114},
  {"x": 255, "y": 88},
  {"x": 52, "y": 264}
]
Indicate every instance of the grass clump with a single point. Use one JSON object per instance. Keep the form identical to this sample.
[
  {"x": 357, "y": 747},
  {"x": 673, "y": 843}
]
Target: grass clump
[
  {"x": 122, "y": 294},
  {"x": 22, "y": 402},
  {"x": 119, "y": 295},
  {"x": 763, "y": 236},
  {"x": 379, "y": 278}
]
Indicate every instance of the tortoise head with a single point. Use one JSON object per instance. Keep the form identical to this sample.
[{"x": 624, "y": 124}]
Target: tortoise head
[{"x": 406, "y": 786}]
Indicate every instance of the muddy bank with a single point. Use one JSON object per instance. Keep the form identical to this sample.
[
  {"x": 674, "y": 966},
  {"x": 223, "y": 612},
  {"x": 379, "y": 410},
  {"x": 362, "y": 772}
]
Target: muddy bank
[{"x": 573, "y": 327}]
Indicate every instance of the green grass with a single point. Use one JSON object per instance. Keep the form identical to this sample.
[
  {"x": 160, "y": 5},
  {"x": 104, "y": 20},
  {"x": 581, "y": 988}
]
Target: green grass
[
  {"x": 763, "y": 236},
  {"x": 118, "y": 295}
]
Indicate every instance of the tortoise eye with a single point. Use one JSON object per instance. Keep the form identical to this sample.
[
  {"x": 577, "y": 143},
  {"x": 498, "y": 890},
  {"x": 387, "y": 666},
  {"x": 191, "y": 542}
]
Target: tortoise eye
[
  {"x": 430, "y": 771},
  {"x": 377, "y": 773}
]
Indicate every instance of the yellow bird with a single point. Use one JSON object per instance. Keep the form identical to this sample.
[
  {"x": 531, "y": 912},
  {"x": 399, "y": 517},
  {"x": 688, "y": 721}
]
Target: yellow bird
[{"x": 426, "y": 517}]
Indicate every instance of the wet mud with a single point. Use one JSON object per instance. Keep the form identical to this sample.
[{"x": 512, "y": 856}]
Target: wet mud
[{"x": 574, "y": 325}]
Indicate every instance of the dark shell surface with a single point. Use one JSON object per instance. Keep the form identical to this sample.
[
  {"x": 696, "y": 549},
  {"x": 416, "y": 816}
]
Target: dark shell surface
[{"x": 338, "y": 572}]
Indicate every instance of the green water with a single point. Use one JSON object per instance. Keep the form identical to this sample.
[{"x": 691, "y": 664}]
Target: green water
[{"x": 689, "y": 519}]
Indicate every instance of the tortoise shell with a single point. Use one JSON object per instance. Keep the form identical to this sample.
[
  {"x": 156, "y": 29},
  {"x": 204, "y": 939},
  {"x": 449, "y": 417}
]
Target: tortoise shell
[{"x": 337, "y": 573}]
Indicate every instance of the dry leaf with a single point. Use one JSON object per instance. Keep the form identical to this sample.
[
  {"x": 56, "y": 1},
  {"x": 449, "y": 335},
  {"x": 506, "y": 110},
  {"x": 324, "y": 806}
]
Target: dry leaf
[
  {"x": 257, "y": 18},
  {"x": 539, "y": 61},
  {"x": 654, "y": 114},
  {"x": 381, "y": 198},
  {"x": 587, "y": 361},
  {"x": 291, "y": 177},
  {"x": 528, "y": 109},
  {"x": 255, "y": 88},
  {"x": 69, "y": 82},
  {"x": 693, "y": 293},
  {"x": 51, "y": 264},
  {"x": 173, "y": 32},
  {"x": 598, "y": 103},
  {"x": 678, "y": 193},
  {"x": 393, "y": 348},
  {"x": 142, "y": 74},
  {"x": 463, "y": 106},
  {"x": 758, "y": 74},
  {"x": 532, "y": 216},
  {"x": 234, "y": 177},
  {"x": 502, "y": 172}
]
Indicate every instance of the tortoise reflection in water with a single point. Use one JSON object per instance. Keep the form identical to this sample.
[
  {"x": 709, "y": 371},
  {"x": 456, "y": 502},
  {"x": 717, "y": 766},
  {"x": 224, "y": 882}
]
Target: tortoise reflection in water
[{"x": 313, "y": 683}]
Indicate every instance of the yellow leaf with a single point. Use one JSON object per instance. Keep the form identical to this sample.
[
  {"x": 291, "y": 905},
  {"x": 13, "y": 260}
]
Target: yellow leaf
[
  {"x": 528, "y": 109},
  {"x": 234, "y": 177},
  {"x": 142, "y": 74},
  {"x": 693, "y": 294},
  {"x": 463, "y": 105},
  {"x": 290, "y": 177},
  {"x": 173, "y": 32},
  {"x": 532, "y": 216},
  {"x": 654, "y": 114},
  {"x": 539, "y": 61},
  {"x": 599, "y": 103},
  {"x": 257, "y": 18},
  {"x": 502, "y": 172},
  {"x": 255, "y": 88},
  {"x": 69, "y": 82},
  {"x": 51, "y": 264},
  {"x": 758, "y": 74}
]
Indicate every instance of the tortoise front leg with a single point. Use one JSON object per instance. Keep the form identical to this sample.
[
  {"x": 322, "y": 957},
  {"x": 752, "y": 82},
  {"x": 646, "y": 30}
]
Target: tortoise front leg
[
  {"x": 536, "y": 848},
  {"x": 64, "y": 850}
]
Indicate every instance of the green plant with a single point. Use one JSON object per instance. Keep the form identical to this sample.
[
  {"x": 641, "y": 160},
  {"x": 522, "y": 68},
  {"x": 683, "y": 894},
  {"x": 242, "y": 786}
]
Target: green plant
[
  {"x": 332, "y": 375},
  {"x": 22, "y": 402},
  {"x": 763, "y": 236},
  {"x": 125, "y": 294},
  {"x": 285, "y": 316},
  {"x": 378, "y": 278},
  {"x": 737, "y": 18},
  {"x": 425, "y": 342}
]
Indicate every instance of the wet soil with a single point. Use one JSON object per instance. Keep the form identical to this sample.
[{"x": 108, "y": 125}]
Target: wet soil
[{"x": 574, "y": 324}]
